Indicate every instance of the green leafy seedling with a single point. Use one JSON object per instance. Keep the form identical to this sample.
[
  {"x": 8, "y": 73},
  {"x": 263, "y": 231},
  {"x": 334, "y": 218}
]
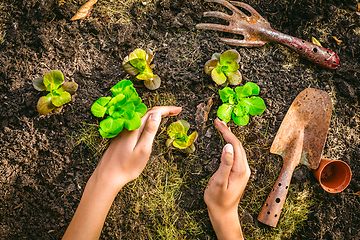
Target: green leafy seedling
[
  {"x": 124, "y": 109},
  {"x": 60, "y": 92},
  {"x": 223, "y": 68},
  {"x": 179, "y": 139},
  {"x": 239, "y": 105},
  {"x": 138, "y": 64}
]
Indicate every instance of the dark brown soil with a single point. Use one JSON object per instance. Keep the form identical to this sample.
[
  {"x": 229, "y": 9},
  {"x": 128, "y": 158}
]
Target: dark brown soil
[{"x": 42, "y": 177}]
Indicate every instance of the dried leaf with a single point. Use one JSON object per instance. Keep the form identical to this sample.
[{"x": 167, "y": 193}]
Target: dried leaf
[
  {"x": 357, "y": 193},
  {"x": 315, "y": 41},
  {"x": 337, "y": 40},
  {"x": 84, "y": 11}
]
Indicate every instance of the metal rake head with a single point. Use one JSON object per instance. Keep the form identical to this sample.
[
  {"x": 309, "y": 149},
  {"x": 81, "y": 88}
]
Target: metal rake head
[{"x": 250, "y": 27}]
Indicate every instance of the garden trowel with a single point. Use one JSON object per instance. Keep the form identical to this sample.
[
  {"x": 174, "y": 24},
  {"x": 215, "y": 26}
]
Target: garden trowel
[{"x": 300, "y": 139}]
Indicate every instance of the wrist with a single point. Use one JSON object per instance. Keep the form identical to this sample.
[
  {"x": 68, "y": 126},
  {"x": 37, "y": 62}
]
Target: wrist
[
  {"x": 226, "y": 224},
  {"x": 106, "y": 183}
]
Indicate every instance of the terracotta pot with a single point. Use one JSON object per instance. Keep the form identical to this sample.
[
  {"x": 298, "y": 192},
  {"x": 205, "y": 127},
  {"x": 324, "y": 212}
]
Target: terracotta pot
[{"x": 334, "y": 175}]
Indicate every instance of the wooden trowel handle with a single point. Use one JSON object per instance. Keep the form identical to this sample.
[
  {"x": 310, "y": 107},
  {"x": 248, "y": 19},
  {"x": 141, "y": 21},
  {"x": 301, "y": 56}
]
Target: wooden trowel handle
[{"x": 270, "y": 212}]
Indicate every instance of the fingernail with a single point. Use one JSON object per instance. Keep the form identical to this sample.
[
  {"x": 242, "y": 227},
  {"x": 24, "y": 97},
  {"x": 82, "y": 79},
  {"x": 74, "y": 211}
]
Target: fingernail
[
  {"x": 229, "y": 148},
  {"x": 223, "y": 123},
  {"x": 156, "y": 116}
]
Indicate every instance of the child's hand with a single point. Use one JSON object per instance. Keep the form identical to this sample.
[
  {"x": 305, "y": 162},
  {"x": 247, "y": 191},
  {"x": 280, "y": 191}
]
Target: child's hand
[
  {"x": 226, "y": 186},
  {"x": 128, "y": 153}
]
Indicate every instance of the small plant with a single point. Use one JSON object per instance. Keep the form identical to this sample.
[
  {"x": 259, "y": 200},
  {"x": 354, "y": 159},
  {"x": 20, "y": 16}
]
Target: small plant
[
  {"x": 223, "y": 68},
  {"x": 138, "y": 64},
  {"x": 124, "y": 109},
  {"x": 177, "y": 132},
  {"x": 239, "y": 105},
  {"x": 59, "y": 91}
]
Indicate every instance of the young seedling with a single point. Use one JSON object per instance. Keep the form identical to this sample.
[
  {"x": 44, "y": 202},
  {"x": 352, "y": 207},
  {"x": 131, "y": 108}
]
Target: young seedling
[
  {"x": 124, "y": 109},
  {"x": 138, "y": 64},
  {"x": 223, "y": 68},
  {"x": 177, "y": 132},
  {"x": 59, "y": 92},
  {"x": 239, "y": 105}
]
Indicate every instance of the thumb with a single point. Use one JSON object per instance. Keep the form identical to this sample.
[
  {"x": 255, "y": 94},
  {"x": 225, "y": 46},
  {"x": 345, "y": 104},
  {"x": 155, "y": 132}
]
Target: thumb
[
  {"x": 148, "y": 134},
  {"x": 227, "y": 160}
]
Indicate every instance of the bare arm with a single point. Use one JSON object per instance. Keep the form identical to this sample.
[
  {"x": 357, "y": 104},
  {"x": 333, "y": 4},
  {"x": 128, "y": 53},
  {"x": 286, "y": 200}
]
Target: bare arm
[
  {"x": 226, "y": 187},
  {"x": 122, "y": 162}
]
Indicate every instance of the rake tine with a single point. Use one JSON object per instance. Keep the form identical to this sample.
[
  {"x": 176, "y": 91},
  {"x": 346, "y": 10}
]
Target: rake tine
[
  {"x": 217, "y": 27},
  {"x": 229, "y": 6},
  {"x": 247, "y": 7},
  {"x": 218, "y": 15},
  {"x": 242, "y": 43}
]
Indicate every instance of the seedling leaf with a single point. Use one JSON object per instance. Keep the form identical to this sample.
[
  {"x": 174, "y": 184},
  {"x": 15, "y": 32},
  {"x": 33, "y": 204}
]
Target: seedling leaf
[
  {"x": 227, "y": 95},
  {"x": 234, "y": 78},
  {"x": 112, "y": 125},
  {"x": 256, "y": 105},
  {"x": 210, "y": 65},
  {"x": 229, "y": 56},
  {"x": 53, "y": 79},
  {"x": 255, "y": 88},
  {"x": 241, "y": 120},
  {"x": 224, "y": 112},
  {"x": 154, "y": 83},
  {"x": 243, "y": 91},
  {"x": 44, "y": 105},
  {"x": 60, "y": 97},
  {"x": 218, "y": 76},
  {"x": 39, "y": 85},
  {"x": 99, "y": 107},
  {"x": 70, "y": 87}
]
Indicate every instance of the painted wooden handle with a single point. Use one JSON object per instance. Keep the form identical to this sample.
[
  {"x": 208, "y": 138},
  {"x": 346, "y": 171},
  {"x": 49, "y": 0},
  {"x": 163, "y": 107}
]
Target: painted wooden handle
[
  {"x": 321, "y": 56},
  {"x": 270, "y": 212}
]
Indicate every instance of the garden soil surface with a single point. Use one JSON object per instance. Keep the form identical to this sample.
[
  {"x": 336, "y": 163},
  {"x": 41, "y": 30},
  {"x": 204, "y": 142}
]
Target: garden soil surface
[{"x": 42, "y": 175}]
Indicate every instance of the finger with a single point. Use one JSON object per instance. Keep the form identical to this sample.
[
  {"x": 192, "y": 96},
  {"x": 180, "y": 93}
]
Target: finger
[
  {"x": 130, "y": 138},
  {"x": 165, "y": 111},
  {"x": 145, "y": 142},
  {"x": 240, "y": 162},
  {"x": 227, "y": 161}
]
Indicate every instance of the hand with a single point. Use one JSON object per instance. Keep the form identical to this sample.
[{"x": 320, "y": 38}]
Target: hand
[
  {"x": 122, "y": 162},
  {"x": 128, "y": 153},
  {"x": 226, "y": 186}
]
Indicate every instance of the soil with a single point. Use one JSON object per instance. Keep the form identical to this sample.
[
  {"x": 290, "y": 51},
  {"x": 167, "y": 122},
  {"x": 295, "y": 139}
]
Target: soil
[{"x": 42, "y": 176}]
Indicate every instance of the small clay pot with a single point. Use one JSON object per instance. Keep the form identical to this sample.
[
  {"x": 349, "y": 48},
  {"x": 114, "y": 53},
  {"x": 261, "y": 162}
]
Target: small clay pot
[{"x": 334, "y": 175}]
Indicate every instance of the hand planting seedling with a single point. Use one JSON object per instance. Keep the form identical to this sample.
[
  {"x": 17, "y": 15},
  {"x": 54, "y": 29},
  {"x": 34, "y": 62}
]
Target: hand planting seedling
[
  {"x": 138, "y": 64},
  {"x": 59, "y": 91},
  {"x": 239, "y": 105},
  {"x": 223, "y": 68},
  {"x": 124, "y": 109},
  {"x": 177, "y": 132}
]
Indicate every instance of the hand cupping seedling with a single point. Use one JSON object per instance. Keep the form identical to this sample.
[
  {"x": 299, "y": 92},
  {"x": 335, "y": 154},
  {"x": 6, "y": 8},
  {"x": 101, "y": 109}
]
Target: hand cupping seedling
[
  {"x": 179, "y": 139},
  {"x": 138, "y": 64},
  {"x": 124, "y": 109},
  {"x": 59, "y": 91},
  {"x": 239, "y": 105},
  {"x": 223, "y": 68}
]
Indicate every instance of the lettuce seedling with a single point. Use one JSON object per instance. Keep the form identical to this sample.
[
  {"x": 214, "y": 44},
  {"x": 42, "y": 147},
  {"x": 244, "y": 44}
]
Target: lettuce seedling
[
  {"x": 138, "y": 64},
  {"x": 177, "y": 132},
  {"x": 223, "y": 68},
  {"x": 239, "y": 105},
  {"x": 59, "y": 91},
  {"x": 124, "y": 109}
]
